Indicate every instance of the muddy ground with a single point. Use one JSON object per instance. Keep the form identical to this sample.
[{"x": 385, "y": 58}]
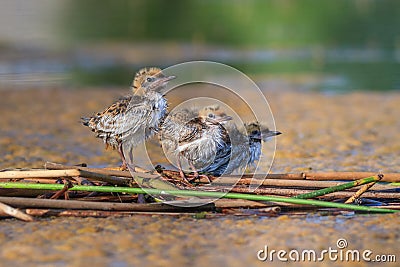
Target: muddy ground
[{"x": 342, "y": 132}]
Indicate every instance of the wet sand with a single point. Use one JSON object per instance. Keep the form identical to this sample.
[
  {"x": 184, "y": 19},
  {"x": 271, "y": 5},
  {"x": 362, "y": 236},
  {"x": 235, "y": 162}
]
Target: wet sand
[
  {"x": 348, "y": 132},
  {"x": 166, "y": 241}
]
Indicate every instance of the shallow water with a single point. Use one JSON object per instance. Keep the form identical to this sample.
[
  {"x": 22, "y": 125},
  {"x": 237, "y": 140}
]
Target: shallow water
[{"x": 341, "y": 132}]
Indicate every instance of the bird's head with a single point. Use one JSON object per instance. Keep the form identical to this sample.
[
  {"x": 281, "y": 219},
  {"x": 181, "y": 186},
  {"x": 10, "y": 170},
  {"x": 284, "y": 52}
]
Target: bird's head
[
  {"x": 217, "y": 120},
  {"x": 148, "y": 79},
  {"x": 253, "y": 130},
  {"x": 257, "y": 131},
  {"x": 214, "y": 112}
]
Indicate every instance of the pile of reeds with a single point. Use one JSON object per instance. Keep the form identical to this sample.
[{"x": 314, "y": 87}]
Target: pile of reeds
[{"x": 59, "y": 190}]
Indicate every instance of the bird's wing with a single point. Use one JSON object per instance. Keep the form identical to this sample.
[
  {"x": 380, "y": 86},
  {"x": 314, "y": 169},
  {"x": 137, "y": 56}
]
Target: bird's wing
[
  {"x": 175, "y": 122},
  {"x": 190, "y": 131},
  {"x": 122, "y": 116}
]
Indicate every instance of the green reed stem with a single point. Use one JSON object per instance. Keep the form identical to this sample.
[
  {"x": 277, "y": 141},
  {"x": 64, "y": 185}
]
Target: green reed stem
[
  {"x": 130, "y": 190},
  {"x": 341, "y": 187}
]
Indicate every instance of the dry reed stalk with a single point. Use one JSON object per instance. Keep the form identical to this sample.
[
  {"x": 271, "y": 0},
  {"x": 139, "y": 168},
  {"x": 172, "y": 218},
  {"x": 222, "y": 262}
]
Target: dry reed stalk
[
  {"x": 219, "y": 203},
  {"x": 5, "y": 209},
  {"x": 288, "y": 183},
  {"x": 323, "y": 176},
  {"x": 76, "y": 213},
  {"x": 288, "y": 176},
  {"x": 64, "y": 173},
  {"x": 135, "y": 169},
  {"x": 361, "y": 191},
  {"x": 38, "y": 174},
  {"x": 75, "y": 204},
  {"x": 144, "y": 179},
  {"x": 268, "y": 211},
  {"x": 39, "y": 180},
  {"x": 294, "y": 192},
  {"x": 100, "y": 213},
  {"x": 109, "y": 198},
  {"x": 196, "y": 194},
  {"x": 16, "y": 192},
  {"x": 239, "y": 203},
  {"x": 104, "y": 171},
  {"x": 388, "y": 177},
  {"x": 67, "y": 185},
  {"x": 57, "y": 166}
]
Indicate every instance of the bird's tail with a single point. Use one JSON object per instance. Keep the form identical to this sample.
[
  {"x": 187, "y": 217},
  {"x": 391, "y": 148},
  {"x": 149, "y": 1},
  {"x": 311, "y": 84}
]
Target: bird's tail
[{"x": 85, "y": 121}]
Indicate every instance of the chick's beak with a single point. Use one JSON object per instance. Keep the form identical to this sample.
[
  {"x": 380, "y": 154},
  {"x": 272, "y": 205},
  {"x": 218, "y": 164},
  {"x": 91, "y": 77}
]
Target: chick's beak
[
  {"x": 168, "y": 78},
  {"x": 163, "y": 81},
  {"x": 267, "y": 134},
  {"x": 222, "y": 119}
]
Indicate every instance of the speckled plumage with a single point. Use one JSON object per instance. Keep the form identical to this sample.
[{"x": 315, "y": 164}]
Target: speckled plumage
[
  {"x": 171, "y": 127},
  {"x": 196, "y": 138},
  {"x": 175, "y": 123},
  {"x": 246, "y": 148},
  {"x": 201, "y": 140},
  {"x": 136, "y": 117}
]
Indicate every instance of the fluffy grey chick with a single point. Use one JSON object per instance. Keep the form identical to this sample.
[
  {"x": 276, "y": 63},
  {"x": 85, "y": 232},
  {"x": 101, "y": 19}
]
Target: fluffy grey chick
[
  {"x": 194, "y": 136},
  {"x": 246, "y": 148}
]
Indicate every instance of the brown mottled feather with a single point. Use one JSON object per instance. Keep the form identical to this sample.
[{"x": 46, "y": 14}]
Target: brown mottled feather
[{"x": 133, "y": 118}]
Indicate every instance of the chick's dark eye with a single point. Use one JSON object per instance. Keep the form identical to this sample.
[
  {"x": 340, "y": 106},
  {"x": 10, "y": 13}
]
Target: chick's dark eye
[
  {"x": 254, "y": 132},
  {"x": 211, "y": 115},
  {"x": 150, "y": 79}
]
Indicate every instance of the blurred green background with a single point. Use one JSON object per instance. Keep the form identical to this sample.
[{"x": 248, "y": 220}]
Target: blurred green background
[
  {"x": 251, "y": 23},
  {"x": 335, "y": 46}
]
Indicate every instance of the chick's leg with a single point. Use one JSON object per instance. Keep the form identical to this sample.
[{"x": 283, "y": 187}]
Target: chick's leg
[
  {"x": 124, "y": 166},
  {"x": 180, "y": 168},
  {"x": 196, "y": 173}
]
